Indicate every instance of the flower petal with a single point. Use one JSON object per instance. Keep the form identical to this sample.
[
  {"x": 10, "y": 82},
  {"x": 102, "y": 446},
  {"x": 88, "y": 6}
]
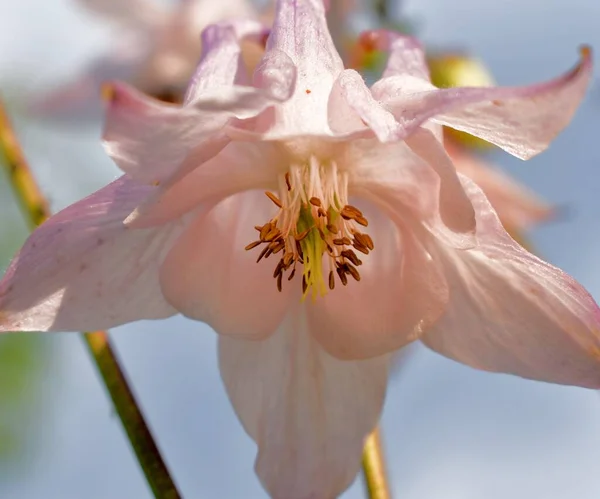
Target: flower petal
[
  {"x": 511, "y": 312},
  {"x": 308, "y": 412},
  {"x": 351, "y": 106},
  {"x": 406, "y": 54},
  {"x": 456, "y": 209},
  {"x": 300, "y": 31},
  {"x": 221, "y": 64},
  {"x": 398, "y": 181},
  {"x": 239, "y": 167},
  {"x": 401, "y": 292},
  {"x": 208, "y": 276},
  {"x": 149, "y": 140},
  {"x": 83, "y": 269},
  {"x": 518, "y": 207},
  {"x": 520, "y": 120}
]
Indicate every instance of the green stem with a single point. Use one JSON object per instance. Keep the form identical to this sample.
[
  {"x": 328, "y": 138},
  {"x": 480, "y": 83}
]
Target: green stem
[{"x": 37, "y": 211}]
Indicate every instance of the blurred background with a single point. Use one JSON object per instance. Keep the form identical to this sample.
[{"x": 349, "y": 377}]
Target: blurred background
[{"x": 450, "y": 432}]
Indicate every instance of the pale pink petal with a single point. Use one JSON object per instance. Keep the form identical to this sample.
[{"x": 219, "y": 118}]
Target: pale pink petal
[
  {"x": 83, "y": 269},
  {"x": 309, "y": 413},
  {"x": 511, "y": 312},
  {"x": 209, "y": 276},
  {"x": 401, "y": 292},
  {"x": 518, "y": 207},
  {"x": 351, "y": 108},
  {"x": 456, "y": 209},
  {"x": 149, "y": 140},
  {"x": 221, "y": 64},
  {"x": 239, "y": 167},
  {"x": 397, "y": 180},
  {"x": 134, "y": 13},
  {"x": 520, "y": 120},
  {"x": 405, "y": 54},
  {"x": 300, "y": 31}
]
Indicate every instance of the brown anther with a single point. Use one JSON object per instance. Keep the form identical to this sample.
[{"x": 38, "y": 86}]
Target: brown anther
[
  {"x": 350, "y": 212},
  {"x": 331, "y": 280},
  {"x": 252, "y": 245},
  {"x": 304, "y": 284},
  {"x": 332, "y": 228},
  {"x": 321, "y": 233},
  {"x": 279, "y": 278},
  {"x": 287, "y": 181},
  {"x": 278, "y": 269},
  {"x": 321, "y": 212},
  {"x": 274, "y": 198},
  {"x": 269, "y": 252},
  {"x": 300, "y": 253},
  {"x": 302, "y": 235},
  {"x": 342, "y": 241},
  {"x": 292, "y": 274},
  {"x": 279, "y": 247},
  {"x": 353, "y": 272},
  {"x": 262, "y": 253},
  {"x": 288, "y": 259},
  {"x": 329, "y": 249},
  {"x": 342, "y": 275},
  {"x": 350, "y": 255},
  {"x": 272, "y": 235},
  {"x": 362, "y": 221},
  {"x": 359, "y": 247},
  {"x": 264, "y": 230},
  {"x": 315, "y": 201},
  {"x": 258, "y": 227},
  {"x": 368, "y": 242}
]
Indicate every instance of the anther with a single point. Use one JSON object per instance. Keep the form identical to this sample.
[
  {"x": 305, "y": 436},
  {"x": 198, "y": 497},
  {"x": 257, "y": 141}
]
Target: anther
[
  {"x": 292, "y": 274},
  {"x": 262, "y": 253},
  {"x": 350, "y": 255},
  {"x": 304, "y": 284},
  {"x": 288, "y": 258},
  {"x": 331, "y": 280},
  {"x": 315, "y": 201},
  {"x": 279, "y": 286},
  {"x": 287, "y": 181},
  {"x": 274, "y": 198},
  {"x": 302, "y": 235},
  {"x": 342, "y": 241},
  {"x": 265, "y": 229},
  {"x": 342, "y": 275},
  {"x": 362, "y": 221},
  {"x": 332, "y": 228},
  {"x": 278, "y": 268},
  {"x": 272, "y": 235},
  {"x": 252, "y": 245},
  {"x": 352, "y": 271},
  {"x": 321, "y": 212}
]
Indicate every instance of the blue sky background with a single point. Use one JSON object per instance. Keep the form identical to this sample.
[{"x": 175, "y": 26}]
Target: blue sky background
[{"x": 450, "y": 432}]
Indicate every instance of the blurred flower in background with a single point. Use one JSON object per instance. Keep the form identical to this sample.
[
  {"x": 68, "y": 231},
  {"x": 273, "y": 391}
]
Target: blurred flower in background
[{"x": 156, "y": 49}]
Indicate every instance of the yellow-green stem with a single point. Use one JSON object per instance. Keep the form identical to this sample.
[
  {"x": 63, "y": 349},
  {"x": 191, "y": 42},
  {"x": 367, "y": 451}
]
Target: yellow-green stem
[
  {"x": 37, "y": 211},
  {"x": 373, "y": 465}
]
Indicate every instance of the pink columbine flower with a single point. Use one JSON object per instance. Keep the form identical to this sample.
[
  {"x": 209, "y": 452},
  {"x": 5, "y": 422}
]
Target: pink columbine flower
[
  {"x": 518, "y": 207},
  {"x": 367, "y": 240},
  {"x": 156, "y": 48}
]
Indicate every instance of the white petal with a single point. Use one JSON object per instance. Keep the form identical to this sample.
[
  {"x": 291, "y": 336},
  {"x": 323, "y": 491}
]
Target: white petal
[{"x": 308, "y": 412}]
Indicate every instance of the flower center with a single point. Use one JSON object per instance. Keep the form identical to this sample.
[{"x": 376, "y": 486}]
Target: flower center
[{"x": 314, "y": 219}]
